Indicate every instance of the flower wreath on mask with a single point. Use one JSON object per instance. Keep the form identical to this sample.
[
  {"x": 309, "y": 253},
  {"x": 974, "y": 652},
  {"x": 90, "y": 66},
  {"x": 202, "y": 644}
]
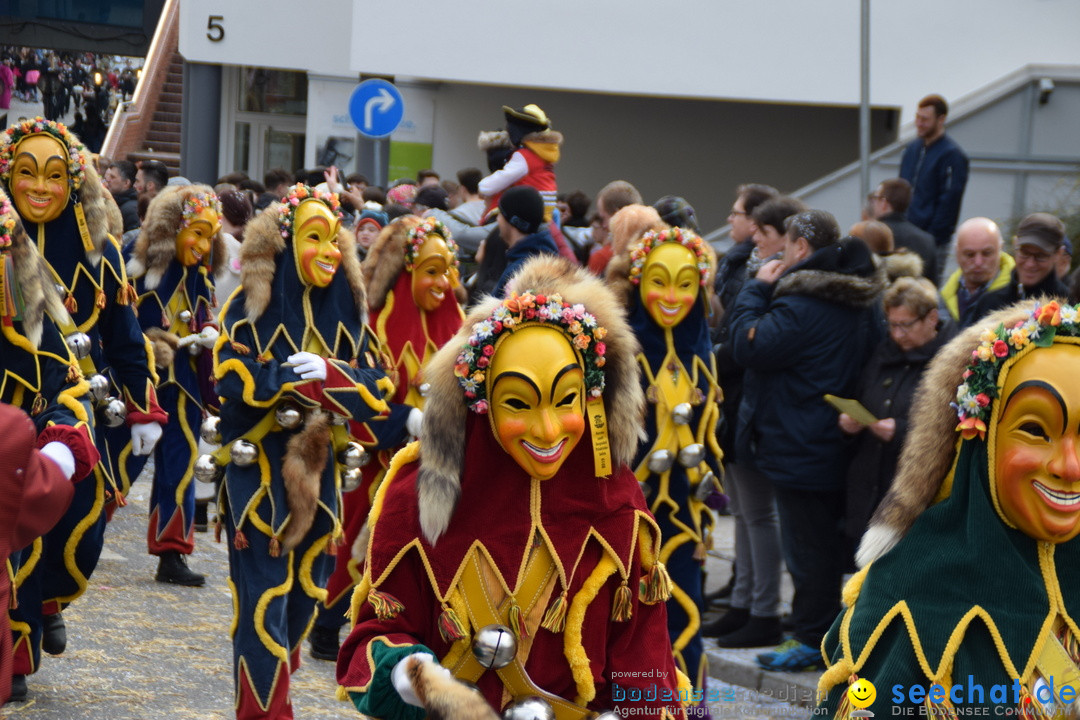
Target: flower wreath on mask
[
  {"x": 296, "y": 195},
  {"x": 194, "y": 206},
  {"x": 8, "y": 221},
  {"x": 980, "y": 386},
  {"x": 585, "y": 334},
  {"x": 650, "y": 240},
  {"x": 419, "y": 234},
  {"x": 15, "y": 134}
]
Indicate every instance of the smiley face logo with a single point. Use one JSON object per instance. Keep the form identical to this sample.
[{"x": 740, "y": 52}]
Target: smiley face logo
[{"x": 862, "y": 693}]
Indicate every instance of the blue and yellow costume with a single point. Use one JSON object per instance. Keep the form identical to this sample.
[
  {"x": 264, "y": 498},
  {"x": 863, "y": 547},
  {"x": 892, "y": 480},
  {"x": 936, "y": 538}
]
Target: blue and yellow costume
[
  {"x": 667, "y": 273},
  {"x": 281, "y": 511}
]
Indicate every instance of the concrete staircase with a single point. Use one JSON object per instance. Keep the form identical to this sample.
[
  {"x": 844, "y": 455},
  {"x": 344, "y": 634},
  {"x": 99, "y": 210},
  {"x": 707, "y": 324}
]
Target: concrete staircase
[{"x": 162, "y": 141}]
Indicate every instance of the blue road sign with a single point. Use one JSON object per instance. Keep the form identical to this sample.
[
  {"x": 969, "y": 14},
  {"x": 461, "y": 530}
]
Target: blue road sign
[{"x": 376, "y": 108}]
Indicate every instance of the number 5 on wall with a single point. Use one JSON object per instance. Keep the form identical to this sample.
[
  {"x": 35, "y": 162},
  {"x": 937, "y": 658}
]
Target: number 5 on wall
[{"x": 215, "y": 31}]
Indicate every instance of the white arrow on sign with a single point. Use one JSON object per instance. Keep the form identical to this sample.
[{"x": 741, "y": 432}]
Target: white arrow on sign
[{"x": 384, "y": 101}]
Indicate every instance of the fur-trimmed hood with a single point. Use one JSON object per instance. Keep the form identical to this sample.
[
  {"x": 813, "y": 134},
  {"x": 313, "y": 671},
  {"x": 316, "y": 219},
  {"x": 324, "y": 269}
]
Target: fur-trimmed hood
[
  {"x": 845, "y": 272},
  {"x": 932, "y": 441},
  {"x": 902, "y": 263},
  {"x": 385, "y": 260},
  {"x": 443, "y": 434},
  {"x": 260, "y": 255},
  {"x": 155, "y": 248}
]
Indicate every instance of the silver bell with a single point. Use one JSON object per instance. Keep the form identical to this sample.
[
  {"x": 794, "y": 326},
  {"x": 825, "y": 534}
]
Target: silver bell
[
  {"x": 424, "y": 389},
  {"x": 661, "y": 461},
  {"x": 288, "y": 415},
  {"x": 184, "y": 316},
  {"x": 692, "y": 455},
  {"x": 645, "y": 489},
  {"x": 243, "y": 453},
  {"x": 350, "y": 479},
  {"x": 352, "y": 456},
  {"x": 114, "y": 412},
  {"x": 494, "y": 646},
  {"x": 705, "y": 487},
  {"x": 99, "y": 387},
  {"x": 530, "y": 708},
  {"x": 682, "y": 413},
  {"x": 79, "y": 343},
  {"x": 206, "y": 469},
  {"x": 210, "y": 430}
]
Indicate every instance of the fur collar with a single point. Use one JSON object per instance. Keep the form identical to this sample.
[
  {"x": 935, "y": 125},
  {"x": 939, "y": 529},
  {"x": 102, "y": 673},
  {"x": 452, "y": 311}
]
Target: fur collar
[
  {"x": 155, "y": 248},
  {"x": 443, "y": 434},
  {"x": 386, "y": 259},
  {"x": 846, "y": 273},
  {"x": 259, "y": 263},
  {"x": 902, "y": 263}
]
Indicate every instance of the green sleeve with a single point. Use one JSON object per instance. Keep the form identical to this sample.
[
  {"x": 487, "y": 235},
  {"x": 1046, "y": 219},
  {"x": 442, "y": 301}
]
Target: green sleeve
[{"x": 381, "y": 699}]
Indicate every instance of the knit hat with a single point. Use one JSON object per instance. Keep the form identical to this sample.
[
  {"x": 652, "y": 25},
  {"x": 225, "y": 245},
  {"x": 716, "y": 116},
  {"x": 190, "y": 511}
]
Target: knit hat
[
  {"x": 1042, "y": 230},
  {"x": 433, "y": 196},
  {"x": 523, "y": 208},
  {"x": 375, "y": 217},
  {"x": 676, "y": 212}
]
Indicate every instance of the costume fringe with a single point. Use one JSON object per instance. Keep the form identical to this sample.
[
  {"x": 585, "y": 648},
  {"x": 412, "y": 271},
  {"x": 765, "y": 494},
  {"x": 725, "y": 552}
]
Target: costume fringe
[
  {"x": 275, "y": 547},
  {"x": 240, "y": 541},
  {"x": 72, "y": 374},
  {"x": 623, "y": 607},
  {"x": 71, "y": 304},
  {"x": 38, "y": 405},
  {"x": 450, "y": 627},
  {"x": 121, "y": 501},
  {"x": 263, "y": 358},
  {"x": 517, "y": 621},
  {"x": 127, "y": 295},
  {"x": 656, "y": 586},
  {"x": 386, "y": 606},
  {"x": 240, "y": 348},
  {"x": 99, "y": 300},
  {"x": 555, "y": 617},
  {"x": 342, "y": 694}
]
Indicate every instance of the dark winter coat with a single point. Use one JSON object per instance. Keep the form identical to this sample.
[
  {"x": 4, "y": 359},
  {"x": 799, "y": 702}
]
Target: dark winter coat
[
  {"x": 885, "y": 389},
  {"x": 1015, "y": 292},
  {"x": 808, "y": 335},
  {"x": 128, "y": 202},
  {"x": 938, "y": 174},
  {"x": 539, "y": 243},
  {"x": 908, "y": 235},
  {"x": 729, "y": 280}
]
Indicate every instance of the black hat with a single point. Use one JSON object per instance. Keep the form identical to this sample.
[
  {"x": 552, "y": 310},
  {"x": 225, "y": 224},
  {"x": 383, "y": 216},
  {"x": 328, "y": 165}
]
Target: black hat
[
  {"x": 432, "y": 196},
  {"x": 523, "y": 208},
  {"x": 676, "y": 212},
  {"x": 520, "y": 123}
]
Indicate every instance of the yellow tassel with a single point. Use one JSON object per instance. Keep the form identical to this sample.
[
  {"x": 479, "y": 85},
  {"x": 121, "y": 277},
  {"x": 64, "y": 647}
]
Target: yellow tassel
[
  {"x": 623, "y": 607},
  {"x": 263, "y": 358},
  {"x": 386, "y": 605},
  {"x": 275, "y": 547},
  {"x": 121, "y": 501},
  {"x": 71, "y": 304},
  {"x": 240, "y": 541},
  {"x": 73, "y": 375},
  {"x": 126, "y": 295},
  {"x": 656, "y": 586},
  {"x": 555, "y": 617},
  {"x": 517, "y": 622},
  {"x": 100, "y": 299},
  {"x": 38, "y": 405},
  {"x": 240, "y": 348},
  {"x": 450, "y": 627},
  {"x": 342, "y": 693}
]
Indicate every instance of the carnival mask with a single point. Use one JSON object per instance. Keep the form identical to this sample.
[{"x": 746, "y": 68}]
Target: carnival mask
[
  {"x": 40, "y": 182},
  {"x": 536, "y": 392},
  {"x": 431, "y": 278},
  {"x": 193, "y": 242},
  {"x": 670, "y": 283},
  {"x": 1036, "y": 473},
  {"x": 315, "y": 243}
]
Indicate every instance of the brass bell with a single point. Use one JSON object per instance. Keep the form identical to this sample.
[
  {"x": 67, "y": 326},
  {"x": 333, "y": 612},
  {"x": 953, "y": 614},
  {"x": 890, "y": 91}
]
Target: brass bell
[
  {"x": 79, "y": 343},
  {"x": 691, "y": 455},
  {"x": 350, "y": 479},
  {"x": 243, "y": 453},
  {"x": 530, "y": 708},
  {"x": 661, "y": 461},
  {"x": 705, "y": 487},
  {"x": 184, "y": 316},
  {"x": 210, "y": 430},
  {"x": 206, "y": 469},
  {"x": 99, "y": 387},
  {"x": 424, "y": 389},
  {"x": 494, "y": 646},
  {"x": 352, "y": 455},
  {"x": 113, "y": 412},
  {"x": 288, "y": 415},
  {"x": 682, "y": 413}
]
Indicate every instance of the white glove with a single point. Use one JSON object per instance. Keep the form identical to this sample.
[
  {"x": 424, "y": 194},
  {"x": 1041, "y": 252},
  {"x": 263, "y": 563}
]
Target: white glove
[
  {"x": 400, "y": 677},
  {"x": 412, "y": 423},
  {"x": 144, "y": 436},
  {"x": 208, "y": 336},
  {"x": 60, "y": 454},
  {"x": 309, "y": 366}
]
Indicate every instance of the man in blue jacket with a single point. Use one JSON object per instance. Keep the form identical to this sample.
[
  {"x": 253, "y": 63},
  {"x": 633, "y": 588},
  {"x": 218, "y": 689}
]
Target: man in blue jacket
[
  {"x": 937, "y": 169},
  {"x": 804, "y": 326}
]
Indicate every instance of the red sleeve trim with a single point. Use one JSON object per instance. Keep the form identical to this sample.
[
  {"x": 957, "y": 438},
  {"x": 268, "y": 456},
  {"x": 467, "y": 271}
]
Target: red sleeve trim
[
  {"x": 153, "y": 412},
  {"x": 78, "y": 441}
]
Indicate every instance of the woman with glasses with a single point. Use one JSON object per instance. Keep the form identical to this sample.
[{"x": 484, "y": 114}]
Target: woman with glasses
[{"x": 886, "y": 388}]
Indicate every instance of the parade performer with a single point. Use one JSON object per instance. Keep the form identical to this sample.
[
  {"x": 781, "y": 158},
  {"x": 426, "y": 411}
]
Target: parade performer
[
  {"x": 67, "y": 213},
  {"x": 664, "y": 278},
  {"x": 511, "y": 547},
  {"x": 968, "y": 578},
  {"x": 172, "y": 263},
  {"x": 410, "y": 275},
  {"x": 536, "y": 150},
  {"x": 294, "y": 362}
]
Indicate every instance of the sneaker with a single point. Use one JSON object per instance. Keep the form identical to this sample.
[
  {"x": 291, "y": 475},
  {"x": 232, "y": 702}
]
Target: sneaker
[
  {"x": 790, "y": 656},
  {"x": 757, "y": 632},
  {"x": 173, "y": 568},
  {"x": 53, "y": 634},
  {"x": 730, "y": 621},
  {"x": 323, "y": 643}
]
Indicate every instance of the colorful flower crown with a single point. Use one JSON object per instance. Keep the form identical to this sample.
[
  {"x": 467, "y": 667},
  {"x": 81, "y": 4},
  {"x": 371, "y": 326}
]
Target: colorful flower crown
[
  {"x": 297, "y": 194},
  {"x": 195, "y": 204},
  {"x": 580, "y": 326},
  {"x": 417, "y": 236},
  {"x": 652, "y": 239},
  {"x": 11, "y": 137},
  {"x": 8, "y": 220},
  {"x": 980, "y": 386}
]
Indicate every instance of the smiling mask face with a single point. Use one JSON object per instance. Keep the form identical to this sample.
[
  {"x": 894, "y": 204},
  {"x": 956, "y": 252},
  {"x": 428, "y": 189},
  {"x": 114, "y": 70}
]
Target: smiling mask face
[
  {"x": 193, "y": 241},
  {"x": 431, "y": 274},
  {"x": 315, "y": 244},
  {"x": 670, "y": 283},
  {"x": 1037, "y": 457},
  {"x": 40, "y": 182},
  {"x": 537, "y": 399}
]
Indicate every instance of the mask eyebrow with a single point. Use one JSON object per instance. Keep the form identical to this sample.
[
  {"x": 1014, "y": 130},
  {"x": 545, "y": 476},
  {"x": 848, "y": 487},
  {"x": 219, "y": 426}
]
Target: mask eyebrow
[
  {"x": 1042, "y": 385},
  {"x": 520, "y": 376},
  {"x": 558, "y": 376}
]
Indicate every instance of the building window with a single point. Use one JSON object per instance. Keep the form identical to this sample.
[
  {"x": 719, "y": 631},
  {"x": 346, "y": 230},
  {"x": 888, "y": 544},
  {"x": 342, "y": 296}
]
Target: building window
[{"x": 279, "y": 92}]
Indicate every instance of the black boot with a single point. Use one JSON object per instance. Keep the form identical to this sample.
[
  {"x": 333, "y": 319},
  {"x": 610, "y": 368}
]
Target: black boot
[
  {"x": 202, "y": 521},
  {"x": 732, "y": 620},
  {"x": 757, "y": 632},
  {"x": 324, "y": 643},
  {"x": 18, "y": 688},
  {"x": 172, "y": 568},
  {"x": 53, "y": 634}
]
